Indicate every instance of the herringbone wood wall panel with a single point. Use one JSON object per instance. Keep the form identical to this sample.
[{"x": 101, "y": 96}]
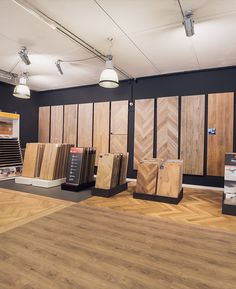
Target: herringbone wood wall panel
[
  {"x": 101, "y": 128},
  {"x": 44, "y": 124},
  {"x": 192, "y": 133},
  {"x": 143, "y": 130},
  {"x": 220, "y": 117},
  {"x": 85, "y": 125},
  {"x": 70, "y": 123},
  {"x": 167, "y": 127},
  {"x": 56, "y": 124}
]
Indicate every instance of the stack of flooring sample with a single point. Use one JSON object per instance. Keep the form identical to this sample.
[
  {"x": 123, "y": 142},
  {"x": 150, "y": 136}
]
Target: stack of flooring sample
[
  {"x": 81, "y": 163},
  {"x": 111, "y": 171},
  {"x": 10, "y": 152},
  {"x": 54, "y": 161}
]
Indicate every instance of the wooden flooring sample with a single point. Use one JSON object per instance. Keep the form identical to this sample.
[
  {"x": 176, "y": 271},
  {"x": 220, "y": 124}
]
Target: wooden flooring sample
[
  {"x": 143, "y": 130},
  {"x": 30, "y": 160},
  {"x": 56, "y": 124},
  {"x": 167, "y": 127},
  {"x": 101, "y": 128},
  {"x": 118, "y": 143},
  {"x": 70, "y": 124},
  {"x": 105, "y": 171},
  {"x": 44, "y": 124},
  {"x": 192, "y": 133},
  {"x": 85, "y": 125},
  {"x": 220, "y": 118}
]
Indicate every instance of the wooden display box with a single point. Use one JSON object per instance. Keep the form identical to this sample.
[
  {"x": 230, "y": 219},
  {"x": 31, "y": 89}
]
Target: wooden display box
[
  {"x": 109, "y": 192},
  {"x": 77, "y": 188}
]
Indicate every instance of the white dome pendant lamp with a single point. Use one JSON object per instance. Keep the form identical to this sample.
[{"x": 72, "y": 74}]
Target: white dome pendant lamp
[
  {"x": 22, "y": 90},
  {"x": 109, "y": 77}
]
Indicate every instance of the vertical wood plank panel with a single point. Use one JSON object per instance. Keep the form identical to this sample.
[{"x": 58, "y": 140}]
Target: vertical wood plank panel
[
  {"x": 70, "y": 124},
  {"x": 220, "y": 117},
  {"x": 44, "y": 124},
  {"x": 56, "y": 124},
  {"x": 101, "y": 128},
  {"x": 143, "y": 130},
  {"x": 192, "y": 133},
  {"x": 167, "y": 127},
  {"x": 85, "y": 125}
]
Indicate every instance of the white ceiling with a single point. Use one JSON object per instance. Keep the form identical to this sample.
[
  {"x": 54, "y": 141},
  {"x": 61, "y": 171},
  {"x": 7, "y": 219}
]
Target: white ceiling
[{"x": 149, "y": 38}]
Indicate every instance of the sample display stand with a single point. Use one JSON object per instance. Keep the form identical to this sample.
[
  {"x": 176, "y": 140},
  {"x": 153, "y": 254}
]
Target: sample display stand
[
  {"x": 77, "y": 188},
  {"x": 106, "y": 193},
  {"x": 158, "y": 198},
  {"x": 228, "y": 209}
]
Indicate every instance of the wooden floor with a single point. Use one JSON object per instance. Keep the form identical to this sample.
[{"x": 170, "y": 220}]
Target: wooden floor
[
  {"x": 199, "y": 207},
  {"x": 86, "y": 247},
  {"x": 17, "y": 208}
]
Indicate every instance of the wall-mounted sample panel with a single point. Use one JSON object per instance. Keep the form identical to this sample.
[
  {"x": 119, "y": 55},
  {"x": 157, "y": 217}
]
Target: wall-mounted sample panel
[
  {"x": 85, "y": 125},
  {"x": 70, "y": 124},
  {"x": 56, "y": 124},
  {"x": 220, "y": 131},
  {"x": 143, "y": 130},
  {"x": 101, "y": 128},
  {"x": 119, "y": 126},
  {"x": 192, "y": 133},
  {"x": 167, "y": 127},
  {"x": 44, "y": 124}
]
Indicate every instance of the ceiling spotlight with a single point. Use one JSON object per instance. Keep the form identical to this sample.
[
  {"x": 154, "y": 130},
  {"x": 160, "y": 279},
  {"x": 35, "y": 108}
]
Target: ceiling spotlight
[
  {"x": 109, "y": 77},
  {"x": 188, "y": 23},
  {"x": 22, "y": 90},
  {"x": 58, "y": 65},
  {"x": 24, "y": 56}
]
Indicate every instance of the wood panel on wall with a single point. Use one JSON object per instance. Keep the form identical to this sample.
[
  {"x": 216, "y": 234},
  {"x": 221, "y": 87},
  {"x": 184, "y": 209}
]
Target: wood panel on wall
[
  {"x": 167, "y": 127},
  {"x": 119, "y": 126},
  {"x": 44, "y": 124},
  {"x": 192, "y": 133},
  {"x": 70, "y": 123},
  {"x": 143, "y": 130},
  {"x": 85, "y": 125},
  {"x": 221, "y": 118},
  {"x": 56, "y": 124},
  {"x": 101, "y": 128}
]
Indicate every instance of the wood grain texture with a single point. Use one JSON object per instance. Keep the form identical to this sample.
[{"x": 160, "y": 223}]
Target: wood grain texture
[
  {"x": 221, "y": 117},
  {"x": 86, "y": 247},
  {"x": 118, "y": 143},
  {"x": 85, "y": 125},
  {"x": 70, "y": 124},
  {"x": 167, "y": 127},
  {"x": 6, "y": 127},
  {"x": 56, "y": 124},
  {"x": 30, "y": 160},
  {"x": 143, "y": 130},
  {"x": 192, "y": 133},
  {"x": 44, "y": 124},
  {"x": 105, "y": 171},
  {"x": 101, "y": 128}
]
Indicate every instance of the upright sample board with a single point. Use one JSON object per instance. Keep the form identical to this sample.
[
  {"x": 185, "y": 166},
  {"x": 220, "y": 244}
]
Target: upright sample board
[
  {"x": 220, "y": 131},
  {"x": 167, "y": 127},
  {"x": 70, "y": 124},
  {"x": 143, "y": 130},
  {"x": 101, "y": 128},
  {"x": 85, "y": 125},
  {"x": 119, "y": 126},
  {"x": 44, "y": 124},
  {"x": 192, "y": 133},
  {"x": 56, "y": 124}
]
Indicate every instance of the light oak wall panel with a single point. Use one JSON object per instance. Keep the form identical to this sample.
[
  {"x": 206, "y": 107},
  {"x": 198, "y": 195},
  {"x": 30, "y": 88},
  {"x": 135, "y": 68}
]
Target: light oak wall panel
[
  {"x": 143, "y": 130},
  {"x": 44, "y": 124},
  {"x": 101, "y": 128},
  {"x": 85, "y": 125},
  {"x": 192, "y": 133},
  {"x": 220, "y": 117},
  {"x": 70, "y": 123},
  {"x": 167, "y": 127},
  {"x": 56, "y": 124}
]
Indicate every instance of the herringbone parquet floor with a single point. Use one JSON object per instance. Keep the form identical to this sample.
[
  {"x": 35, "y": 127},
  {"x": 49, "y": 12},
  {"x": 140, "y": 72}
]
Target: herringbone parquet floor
[{"x": 201, "y": 207}]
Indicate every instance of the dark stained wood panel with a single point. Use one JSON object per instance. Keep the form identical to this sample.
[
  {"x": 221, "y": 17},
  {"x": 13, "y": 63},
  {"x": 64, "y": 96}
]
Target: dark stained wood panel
[
  {"x": 56, "y": 124},
  {"x": 192, "y": 133},
  {"x": 220, "y": 117},
  {"x": 44, "y": 124},
  {"x": 70, "y": 123},
  {"x": 85, "y": 125}
]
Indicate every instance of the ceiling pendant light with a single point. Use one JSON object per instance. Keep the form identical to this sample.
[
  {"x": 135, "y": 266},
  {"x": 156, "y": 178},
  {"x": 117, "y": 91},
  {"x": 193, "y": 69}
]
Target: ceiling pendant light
[
  {"x": 188, "y": 23},
  {"x": 109, "y": 77},
  {"x": 22, "y": 90}
]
